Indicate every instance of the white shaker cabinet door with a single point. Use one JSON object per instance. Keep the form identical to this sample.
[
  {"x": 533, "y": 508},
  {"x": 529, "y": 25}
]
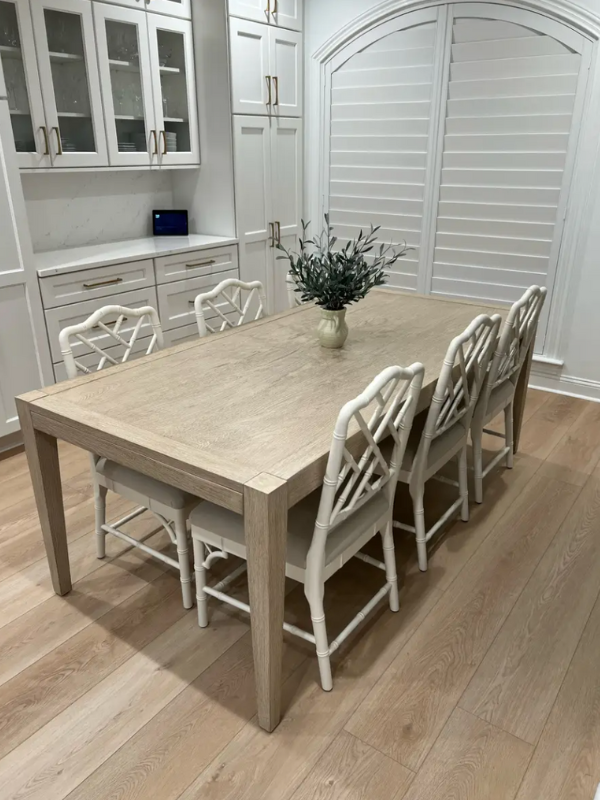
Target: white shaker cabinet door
[
  {"x": 286, "y": 176},
  {"x": 174, "y": 8},
  {"x": 253, "y": 187},
  {"x": 287, "y": 14},
  {"x": 253, "y": 90},
  {"x": 68, "y": 66},
  {"x": 255, "y": 10},
  {"x": 125, "y": 76},
  {"x": 285, "y": 61}
]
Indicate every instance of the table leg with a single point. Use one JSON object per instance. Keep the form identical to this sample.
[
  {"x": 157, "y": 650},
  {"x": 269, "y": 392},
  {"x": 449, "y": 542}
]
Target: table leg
[
  {"x": 521, "y": 397},
  {"x": 42, "y": 457},
  {"x": 265, "y": 526}
]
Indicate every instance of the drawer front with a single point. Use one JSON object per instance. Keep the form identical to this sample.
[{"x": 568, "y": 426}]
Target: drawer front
[
  {"x": 176, "y": 300},
  {"x": 59, "y": 318},
  {"x": 180, "y": 335},
  {"x": 87, "y": 284},
  {"x": 197, "y": 264},
  {"x": 91, "y": 359}
]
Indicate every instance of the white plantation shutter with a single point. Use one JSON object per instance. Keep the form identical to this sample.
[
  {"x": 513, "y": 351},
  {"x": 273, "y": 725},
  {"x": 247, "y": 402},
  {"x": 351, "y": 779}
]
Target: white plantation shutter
[
  {"x": 380, "y": 115},
  {"x": 511, "y": 96},
  {"x": 479, "y": 120}
]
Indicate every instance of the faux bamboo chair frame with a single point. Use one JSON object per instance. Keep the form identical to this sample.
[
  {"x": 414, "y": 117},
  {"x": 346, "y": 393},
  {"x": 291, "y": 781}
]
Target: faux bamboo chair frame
[
  {"x": 232, "y": 291},
  {"x": 517, "y": 336}
]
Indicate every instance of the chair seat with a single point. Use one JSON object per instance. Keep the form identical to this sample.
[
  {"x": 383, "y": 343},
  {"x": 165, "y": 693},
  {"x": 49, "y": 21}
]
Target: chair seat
[
  {"x": 224, "y": 529},
  {"x": 141, "y": 488}
]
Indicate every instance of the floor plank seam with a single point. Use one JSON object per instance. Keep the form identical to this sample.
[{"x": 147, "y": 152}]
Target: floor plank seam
[{"x": 494, "y": 725}]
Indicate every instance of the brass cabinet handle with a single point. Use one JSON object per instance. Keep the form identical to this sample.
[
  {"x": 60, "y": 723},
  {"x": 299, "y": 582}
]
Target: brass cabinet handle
[
  {"x": 164, "y": 138},
  {"x": 44, "y": 130},
  {"x": 200, "y": 264},
  {"x": 111, "y": 282},
  {"x": 58, "y": 140},
  {"x": 278, "y": 229},
  {"x": 275, "y": 8},
  {"x": 276, "y": 82},
  {"x": 270, "y": 99},
  {"x": 272, "y": 234},
  {"x": 268, "y": 11},
  {"x": 155, "y": 151}
]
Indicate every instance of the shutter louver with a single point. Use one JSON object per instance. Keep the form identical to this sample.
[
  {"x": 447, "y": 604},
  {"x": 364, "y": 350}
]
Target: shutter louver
[
  {"x": 380, "y": 113},
  {"x": 510, "y": 102}
]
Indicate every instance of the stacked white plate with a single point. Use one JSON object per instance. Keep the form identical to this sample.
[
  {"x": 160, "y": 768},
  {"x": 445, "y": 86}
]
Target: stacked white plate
[
  {"x": 67, "y": 145},
  {"x": 126, "y": 147},
  {"x": 140, "y": 142},
  {"x": 171, "y": 141}
]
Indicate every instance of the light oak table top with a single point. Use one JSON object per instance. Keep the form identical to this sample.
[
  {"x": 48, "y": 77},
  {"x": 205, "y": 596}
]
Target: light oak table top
[{"x": 243, "y": 419}]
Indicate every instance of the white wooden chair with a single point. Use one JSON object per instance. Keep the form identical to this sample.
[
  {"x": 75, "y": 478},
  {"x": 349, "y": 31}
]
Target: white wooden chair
[
  {"x": 330, "y": 526},
  {"x": 441, "y": 434},
  {"x": 169, "y": 505},
  {"x": 498, "y": 392},
  {"x": 232, "y": 302}
]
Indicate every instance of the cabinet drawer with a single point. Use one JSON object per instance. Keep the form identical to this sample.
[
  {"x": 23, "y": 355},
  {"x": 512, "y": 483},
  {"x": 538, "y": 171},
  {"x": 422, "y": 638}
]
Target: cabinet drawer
[
  {"x": 59, "y": 318},
  {"x": 91, "y": 359},
  {"x": 196, "y": 264},
  {"x": 181, "y": 335},
  {"x": 176, "y": 300},
  {"x": 85, "y": 284}
]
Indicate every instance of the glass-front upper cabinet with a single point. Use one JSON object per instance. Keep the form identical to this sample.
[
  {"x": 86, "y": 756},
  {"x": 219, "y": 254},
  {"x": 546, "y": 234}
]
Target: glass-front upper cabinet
[
  {"x": 172, "y": 58},
  {"x": 125, "y": 75},
  {"x": 174, "y": 8},
  {"x": 65, "y": 44},
  {"x": 17, "y": 52}
]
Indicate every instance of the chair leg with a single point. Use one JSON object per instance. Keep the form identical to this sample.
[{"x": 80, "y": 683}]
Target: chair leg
[
  {"x": 417, "y": 494},
  {"x": 463, "y": 481},
  {"x": 389, "y": 557},
  {"x": 100, "y": 493},
  {"x": 477, "y": 439},
  {"x": 184, "y": 559},
  {"x": 317, "y": 615},
  {"x": 201, "y": 599},
  {"x": 509, "y": 435}
]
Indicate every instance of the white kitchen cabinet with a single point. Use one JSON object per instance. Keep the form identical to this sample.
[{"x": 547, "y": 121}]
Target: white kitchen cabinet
[
  {"x": 17, "y": 52},
  {"x": 126, "y": 81},
  {"x": 283, "y": 13},
  {"x": 174, "y": 90},
  {"x": 268, "y": 184},
  {"x": 174, "y": 8},
  {"x": 266, "y": 69},
  {"x": 68, "y": 69}
]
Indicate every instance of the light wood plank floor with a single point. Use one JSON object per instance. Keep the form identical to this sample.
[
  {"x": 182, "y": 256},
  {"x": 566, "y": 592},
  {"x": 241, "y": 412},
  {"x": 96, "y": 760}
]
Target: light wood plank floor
[{"x": 485, "y": 686}]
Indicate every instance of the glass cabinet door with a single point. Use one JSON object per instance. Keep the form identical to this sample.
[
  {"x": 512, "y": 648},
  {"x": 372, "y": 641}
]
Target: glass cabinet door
[
  {"x": 64, "y": 33},
  {"x": 172, "y": 56},
  {"x": 17, "y": 51},
  {"x": 125, "y": 75}
]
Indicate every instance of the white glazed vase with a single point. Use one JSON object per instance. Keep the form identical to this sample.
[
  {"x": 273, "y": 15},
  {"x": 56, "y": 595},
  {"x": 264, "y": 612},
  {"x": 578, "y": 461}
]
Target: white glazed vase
[{"x": 332, "y": 330}]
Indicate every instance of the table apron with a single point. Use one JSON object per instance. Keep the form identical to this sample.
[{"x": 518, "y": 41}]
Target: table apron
[{"x": 128, "y": 455}]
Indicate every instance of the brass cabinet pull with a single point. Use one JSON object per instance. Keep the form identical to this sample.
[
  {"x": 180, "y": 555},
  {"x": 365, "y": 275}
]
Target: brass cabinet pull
[
  {"x": 111, "y": 282},
  {"x": 268, "y": 11},
  {"x": 275, "y": 8},
  {"x": 278, "y": 228},
  {"x": 44, "y": 129},
  {"x": 58, "y": 140},
  {"x": 270, "y": 98},
  {"x": 155, "y": 151},
  {"x": 200, "y": 264},
  {"x": 272, "y": 234},
  {"x": 164, "y": 138},
  {"x": 276, "y": 82}
]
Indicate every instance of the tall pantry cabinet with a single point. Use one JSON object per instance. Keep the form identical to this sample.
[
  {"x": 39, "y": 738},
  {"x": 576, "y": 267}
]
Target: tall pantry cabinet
[{"x": 267, "y": 102}]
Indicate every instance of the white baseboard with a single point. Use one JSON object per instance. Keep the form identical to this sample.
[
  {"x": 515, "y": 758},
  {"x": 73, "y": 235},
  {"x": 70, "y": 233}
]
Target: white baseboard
[{"x": 550, "y": 380}]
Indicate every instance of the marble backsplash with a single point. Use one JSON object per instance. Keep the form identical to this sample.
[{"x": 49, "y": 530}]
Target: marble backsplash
[{"x": 66, "y": 210}]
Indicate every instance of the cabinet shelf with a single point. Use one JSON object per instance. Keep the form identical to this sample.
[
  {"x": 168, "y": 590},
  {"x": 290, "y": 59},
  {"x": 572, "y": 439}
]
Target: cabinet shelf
[
  {"x": 174, "y": 119},
  {"x": 124, "y": 66},
  {"x": 10, "y": 52},
  {"x": 171, "y": 70},
  {"x": 73, "y": 115},
  {"x": 65, "y": 57},
  {"x": 129, "y": 117},
  {"x": 16, "y": 112}
]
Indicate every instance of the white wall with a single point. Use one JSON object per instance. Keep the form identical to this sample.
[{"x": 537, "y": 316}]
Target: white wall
[
  {"x": 90, "y": 208},
  {"x": 579, "y": 346}
]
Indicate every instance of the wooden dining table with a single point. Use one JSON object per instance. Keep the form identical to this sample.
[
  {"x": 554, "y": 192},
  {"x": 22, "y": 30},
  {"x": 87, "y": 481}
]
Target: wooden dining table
[{"x": 243, "y": 419}]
